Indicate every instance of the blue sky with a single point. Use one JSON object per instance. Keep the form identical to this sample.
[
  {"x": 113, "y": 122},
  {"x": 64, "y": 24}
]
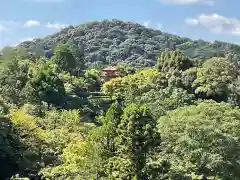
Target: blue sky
[{"x": 198, "y": 19}]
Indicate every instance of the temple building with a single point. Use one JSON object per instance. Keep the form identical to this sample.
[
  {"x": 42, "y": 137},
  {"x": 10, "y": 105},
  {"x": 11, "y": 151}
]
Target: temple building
[{"x": 109, "y": 73}]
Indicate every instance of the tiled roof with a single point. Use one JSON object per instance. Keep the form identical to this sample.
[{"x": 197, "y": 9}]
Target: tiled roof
[{"x": 110, "y": 68}]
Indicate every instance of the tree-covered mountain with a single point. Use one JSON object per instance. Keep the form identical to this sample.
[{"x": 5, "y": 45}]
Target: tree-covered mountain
[
  {"x": 61, "y": 119},
  {"x": 112, "y": 41}
]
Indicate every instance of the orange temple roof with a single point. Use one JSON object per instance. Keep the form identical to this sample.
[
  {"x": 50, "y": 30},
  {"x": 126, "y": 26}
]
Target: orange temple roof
[{"x": 110, "y": 68}]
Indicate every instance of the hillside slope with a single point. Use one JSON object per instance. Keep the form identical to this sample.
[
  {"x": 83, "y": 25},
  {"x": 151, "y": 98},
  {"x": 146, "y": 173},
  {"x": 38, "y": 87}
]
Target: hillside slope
[{"x": 111, "y": 41}]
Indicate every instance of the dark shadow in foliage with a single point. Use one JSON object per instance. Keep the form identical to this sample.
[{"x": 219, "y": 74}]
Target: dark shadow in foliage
[
  {"x": 8, "y": 150},
  {"x": 13, "y": 157}
]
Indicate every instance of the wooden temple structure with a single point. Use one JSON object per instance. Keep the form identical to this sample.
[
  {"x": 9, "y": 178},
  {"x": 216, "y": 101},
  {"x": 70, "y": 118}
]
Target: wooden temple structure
[{"x": 109, "y": 73}]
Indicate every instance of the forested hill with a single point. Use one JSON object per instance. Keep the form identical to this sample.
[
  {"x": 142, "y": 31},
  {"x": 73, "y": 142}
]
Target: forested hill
[
  {"x": 62, "y": 120},
  {"x": 111, "y": 41}
]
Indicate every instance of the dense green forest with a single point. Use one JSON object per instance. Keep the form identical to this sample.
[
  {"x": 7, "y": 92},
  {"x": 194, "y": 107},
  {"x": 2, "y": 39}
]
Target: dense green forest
[
  {"x": 172, "y": 114},
  {"x": 110, "y": 42}
]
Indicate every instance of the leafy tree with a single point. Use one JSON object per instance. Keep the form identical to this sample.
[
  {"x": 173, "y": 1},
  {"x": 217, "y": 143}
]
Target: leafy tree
[
  {"x": 81, "y": 160},
  {"x": 120, "y": 168},
  {"x": 13, "y": 78},
  {"x": 113, "y": 87},
  {"x": 137, "y": 136},
  {"x": 188, "y": 77},
  {"x": 6, "y": 55},
  {"x": 214, "y": 77},
  {"x": 107, "y": 133},
  {"x": 125, "y": 69},
  {"x": 173, "y": 60},
  {"x": 201, "y": 140},
  {"x": 76, "y": 91},
  {"x": 45, "y": 138},
  {"x": 45, "y": 86},
  {"x": 33, "y": 148},
  {"x": 93, "y": 79},
  {"x": 174, "y": 79},
  {"x": 64, "y": 58},
  {"x": 78, "y": 54},
  {"x": 134, "y": 85},
  {"x": 159, "y": 101},
  {"x": 234, "y": 93}
]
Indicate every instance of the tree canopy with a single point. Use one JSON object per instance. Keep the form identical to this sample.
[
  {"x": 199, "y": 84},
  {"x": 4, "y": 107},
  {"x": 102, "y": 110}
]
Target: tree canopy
[
  {"x": 113, "y": 41},
  {"x": 172, "y": 112},
  {"x": 201, "y": 140}
]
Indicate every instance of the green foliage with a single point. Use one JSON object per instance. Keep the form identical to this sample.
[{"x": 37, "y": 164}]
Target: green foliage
[
  {"x": 13, "y": 79},
  {"x": 120, "y": 168},
  {"x": 114, "y": 41},
  {"x": 6, "y": 55},
  {"x": 59, "y": 120},
  {"x": 134, "y": 85},
  {"x": 188, "y": 77},
  {"x": 173, "y": 60},
  {"x": 64, "y": 58},
  {"x": 77, "y": 53},
  {"x": 45, "y": 86},
  {"x": 29, "y": 149},
  {"x": 137, "y": 136},
  {"x": 45, "y": 138},
  {"x": 93, "y": 79},
  {"x": 214, "y": 77},
  {"x": 9, "y": 148},
  {"x": 108, "y": 131},
  {"x": 125, "y": 69},
  {"x": 202, "y": 139},
  {"x": 159, "y": 101},
  {"x": 81, "y": 160}
]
